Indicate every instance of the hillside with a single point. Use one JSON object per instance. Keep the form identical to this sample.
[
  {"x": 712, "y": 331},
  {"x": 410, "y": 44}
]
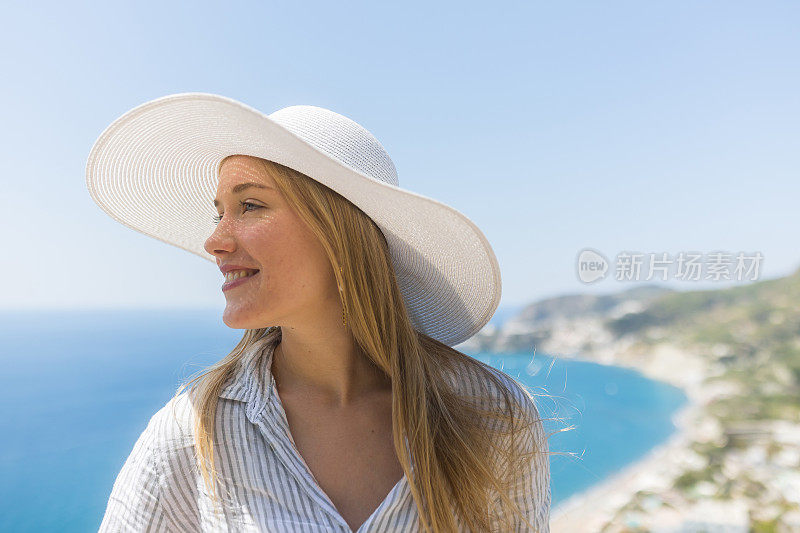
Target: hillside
[{"x": 736, "y": 351}]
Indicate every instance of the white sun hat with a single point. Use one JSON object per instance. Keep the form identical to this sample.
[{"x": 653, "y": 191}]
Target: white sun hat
[{"x": 155, "y": 170}]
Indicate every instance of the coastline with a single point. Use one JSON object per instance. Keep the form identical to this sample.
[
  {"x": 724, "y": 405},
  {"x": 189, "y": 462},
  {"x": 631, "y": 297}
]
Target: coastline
[{"x": 591, "y": 509}]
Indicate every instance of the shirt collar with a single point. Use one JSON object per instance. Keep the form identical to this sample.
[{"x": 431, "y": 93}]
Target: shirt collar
[{"x": 252, "y": 381}]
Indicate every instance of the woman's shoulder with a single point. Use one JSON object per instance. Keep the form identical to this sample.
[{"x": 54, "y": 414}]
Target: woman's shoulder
[
  {"x": 472, "y": 380},
  {"x": 169, "y": 431},
  {"x": 172, "y": 427}
]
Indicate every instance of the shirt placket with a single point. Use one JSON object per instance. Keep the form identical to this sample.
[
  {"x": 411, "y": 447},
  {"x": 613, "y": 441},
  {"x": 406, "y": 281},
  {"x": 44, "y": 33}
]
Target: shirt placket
[{"x": 275, "y": 428}]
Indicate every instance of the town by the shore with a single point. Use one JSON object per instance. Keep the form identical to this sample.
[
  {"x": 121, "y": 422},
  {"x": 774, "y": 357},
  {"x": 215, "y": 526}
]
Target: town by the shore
[{"x": 686, "y": 481}]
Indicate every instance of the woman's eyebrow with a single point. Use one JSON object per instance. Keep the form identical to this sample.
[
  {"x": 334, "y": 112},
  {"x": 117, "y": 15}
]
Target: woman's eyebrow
[{"x": 242, "y": 186}]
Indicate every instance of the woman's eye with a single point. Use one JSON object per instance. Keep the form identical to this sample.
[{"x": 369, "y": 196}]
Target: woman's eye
[{"x": 218, "y": 218}]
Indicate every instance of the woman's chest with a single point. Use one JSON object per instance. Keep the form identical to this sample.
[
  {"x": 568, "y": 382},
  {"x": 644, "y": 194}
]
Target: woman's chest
[{"x": 350, "y": 455}]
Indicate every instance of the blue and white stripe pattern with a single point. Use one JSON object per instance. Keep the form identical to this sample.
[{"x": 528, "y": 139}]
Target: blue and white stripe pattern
[{"x": 266, "y": 484}]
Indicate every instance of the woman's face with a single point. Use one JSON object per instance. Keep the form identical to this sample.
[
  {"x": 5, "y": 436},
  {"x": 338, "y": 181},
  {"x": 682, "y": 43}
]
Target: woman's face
[{"x": 258, "y": 230}]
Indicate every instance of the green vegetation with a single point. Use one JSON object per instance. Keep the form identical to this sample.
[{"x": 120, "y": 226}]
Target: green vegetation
[
  {"x": 757, "y": 406},
  {"x": 690, "y": 478},
  {"x": 764, "y": 526},
  {"x": 753, "y": 333},
  {"x": 757, "y": 327}
]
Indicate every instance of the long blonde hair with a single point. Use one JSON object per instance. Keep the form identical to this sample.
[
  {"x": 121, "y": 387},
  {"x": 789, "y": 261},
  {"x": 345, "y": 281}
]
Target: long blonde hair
[{"x": 464, "y": 462}]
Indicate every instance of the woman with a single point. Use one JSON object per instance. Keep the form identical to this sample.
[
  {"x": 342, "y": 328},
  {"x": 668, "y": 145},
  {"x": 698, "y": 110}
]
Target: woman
[{"x": 344, "y": 407}]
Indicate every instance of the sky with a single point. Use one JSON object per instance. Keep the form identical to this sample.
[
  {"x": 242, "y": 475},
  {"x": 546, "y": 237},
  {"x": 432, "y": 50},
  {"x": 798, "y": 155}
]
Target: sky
[{"x": 554, "y": 126}]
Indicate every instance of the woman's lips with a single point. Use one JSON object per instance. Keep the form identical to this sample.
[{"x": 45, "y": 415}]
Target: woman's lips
[{"x": 239, "y": 281}]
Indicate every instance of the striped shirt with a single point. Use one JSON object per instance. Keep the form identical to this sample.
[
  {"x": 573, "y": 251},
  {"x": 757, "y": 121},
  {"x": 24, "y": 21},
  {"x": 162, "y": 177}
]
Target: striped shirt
[{"x": 265, "y": 483}]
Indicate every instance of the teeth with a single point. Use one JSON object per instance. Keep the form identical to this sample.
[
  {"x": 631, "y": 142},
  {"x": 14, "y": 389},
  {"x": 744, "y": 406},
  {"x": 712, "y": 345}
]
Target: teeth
[{"x": 236, "y": 274}]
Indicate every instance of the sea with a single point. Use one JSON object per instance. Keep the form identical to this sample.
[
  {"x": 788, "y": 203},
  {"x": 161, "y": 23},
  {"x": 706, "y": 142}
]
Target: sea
[{"x": 78, "y": 387}]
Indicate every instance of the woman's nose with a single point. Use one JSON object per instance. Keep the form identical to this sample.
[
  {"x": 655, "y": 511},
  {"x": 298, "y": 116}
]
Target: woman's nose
[{"x": 220, "y": 240}]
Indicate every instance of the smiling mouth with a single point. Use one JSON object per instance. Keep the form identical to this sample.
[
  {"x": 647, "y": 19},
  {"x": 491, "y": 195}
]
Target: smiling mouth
[{"x": 239, "y": 281}]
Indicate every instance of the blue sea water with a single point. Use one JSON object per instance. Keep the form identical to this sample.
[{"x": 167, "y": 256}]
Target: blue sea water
[{"x": 78, "y": 387}]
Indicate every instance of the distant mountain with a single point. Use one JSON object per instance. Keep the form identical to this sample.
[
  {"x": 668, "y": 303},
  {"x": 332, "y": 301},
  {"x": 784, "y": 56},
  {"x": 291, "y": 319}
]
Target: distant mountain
[
  {"x": 733, "y": 329},
  {"x": 563, "y": 324}
]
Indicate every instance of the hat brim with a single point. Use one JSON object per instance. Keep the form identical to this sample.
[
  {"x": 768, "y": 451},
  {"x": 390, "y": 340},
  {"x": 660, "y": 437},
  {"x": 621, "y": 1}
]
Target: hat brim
[{"x": 155, "y": 170}]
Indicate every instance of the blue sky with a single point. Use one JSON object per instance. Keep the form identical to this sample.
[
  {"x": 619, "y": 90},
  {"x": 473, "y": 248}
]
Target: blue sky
[{"x": 554, "y": 126}]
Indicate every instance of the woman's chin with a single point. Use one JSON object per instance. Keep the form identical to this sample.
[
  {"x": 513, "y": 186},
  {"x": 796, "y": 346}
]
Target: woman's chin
[
  {"x": 236, "y": 318},
  {"x": 241, "y": 319}
]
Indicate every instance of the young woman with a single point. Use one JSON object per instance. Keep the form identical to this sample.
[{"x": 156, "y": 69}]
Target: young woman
[{"x": 344, "y": 407}]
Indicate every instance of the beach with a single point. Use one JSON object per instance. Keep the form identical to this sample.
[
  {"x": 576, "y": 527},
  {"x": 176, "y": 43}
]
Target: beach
[{"x": 588, "y": 511}]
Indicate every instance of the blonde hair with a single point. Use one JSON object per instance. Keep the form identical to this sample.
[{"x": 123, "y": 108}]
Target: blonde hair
[{"x": 463, "y": 463}]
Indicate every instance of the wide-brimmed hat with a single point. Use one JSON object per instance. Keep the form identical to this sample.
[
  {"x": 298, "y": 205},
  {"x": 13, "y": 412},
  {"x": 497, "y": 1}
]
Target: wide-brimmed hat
[{"x": 155, "y": 169}]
